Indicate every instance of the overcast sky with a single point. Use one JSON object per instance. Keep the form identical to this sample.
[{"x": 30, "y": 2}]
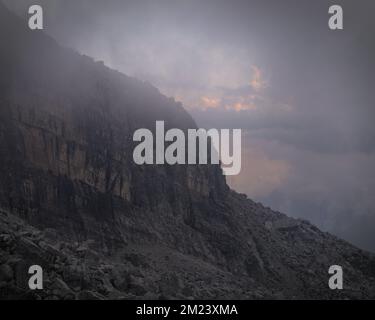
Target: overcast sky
[{"x": 302, "y": 93}]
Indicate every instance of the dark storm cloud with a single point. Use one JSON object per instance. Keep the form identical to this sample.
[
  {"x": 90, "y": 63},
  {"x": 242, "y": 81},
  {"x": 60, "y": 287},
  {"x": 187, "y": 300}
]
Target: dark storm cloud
[{"x": 303, "y": 93}]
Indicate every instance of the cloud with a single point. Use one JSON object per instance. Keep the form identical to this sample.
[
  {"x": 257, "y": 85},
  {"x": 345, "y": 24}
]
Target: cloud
[
  {"x": 234, "y": 95},
  {"x": 260, "y": 174},
  {"x": 333, "y": 191},
  {"x": 208, "y": 102},
  {"x": 257, "y": 82},
  {"x": 241, "y": 105},
  {"x": 303, "y": 93}
]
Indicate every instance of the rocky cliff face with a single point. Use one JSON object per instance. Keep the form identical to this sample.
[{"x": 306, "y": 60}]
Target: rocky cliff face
[{"x": 73, "y": 201}]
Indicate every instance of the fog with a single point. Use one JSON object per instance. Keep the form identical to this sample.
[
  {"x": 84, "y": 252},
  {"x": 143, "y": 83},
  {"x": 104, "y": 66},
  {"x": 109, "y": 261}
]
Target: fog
[{"x": 302, "y": 93}]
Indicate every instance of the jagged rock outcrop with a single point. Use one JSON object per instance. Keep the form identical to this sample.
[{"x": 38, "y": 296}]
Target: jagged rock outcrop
[{"x": 73, "y": 201}]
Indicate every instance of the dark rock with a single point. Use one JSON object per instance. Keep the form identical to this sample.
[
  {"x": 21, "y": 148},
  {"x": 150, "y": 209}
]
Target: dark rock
[
  {"x": 6, "y": 273},
  {"x": 73, "y": 201},
  {"x": 89, "y": 295},
  {"x": 136, "y": 286}
]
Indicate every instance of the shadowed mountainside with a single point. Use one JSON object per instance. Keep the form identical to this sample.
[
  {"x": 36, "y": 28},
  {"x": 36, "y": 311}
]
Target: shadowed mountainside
[{"x": 73, "y": 201}]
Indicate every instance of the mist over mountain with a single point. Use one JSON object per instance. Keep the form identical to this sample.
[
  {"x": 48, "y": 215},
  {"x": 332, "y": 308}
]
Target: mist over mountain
[
  {"x": 301, "y": 93},
  {"x": 73, "y": 201}
]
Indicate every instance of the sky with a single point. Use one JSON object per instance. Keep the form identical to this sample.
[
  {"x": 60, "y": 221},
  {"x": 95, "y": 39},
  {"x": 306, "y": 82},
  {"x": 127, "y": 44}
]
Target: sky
[{"x": 301, "y": 93}]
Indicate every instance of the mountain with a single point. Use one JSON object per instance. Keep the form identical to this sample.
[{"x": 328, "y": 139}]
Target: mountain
[{"x": 73, "y": 201}]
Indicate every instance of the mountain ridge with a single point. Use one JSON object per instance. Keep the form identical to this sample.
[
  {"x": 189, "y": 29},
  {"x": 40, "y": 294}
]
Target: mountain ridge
[{"x": 72, "y": 199}]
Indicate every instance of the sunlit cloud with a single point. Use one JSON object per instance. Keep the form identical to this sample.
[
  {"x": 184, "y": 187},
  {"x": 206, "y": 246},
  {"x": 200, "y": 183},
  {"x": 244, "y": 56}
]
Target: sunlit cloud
[
  {"x": 241, "y": 105},
  {"x": 257, "y": 82},
  {"x": 244, "y": 96},
  {"x": 208, "y": 102},
  {"x": 261, "y": 175}
]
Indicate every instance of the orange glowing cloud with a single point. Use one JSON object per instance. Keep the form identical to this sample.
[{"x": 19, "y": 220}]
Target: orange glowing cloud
[
  {"x": 260, "y": 174},
  {"x": 257, "y": 82},
  {"x": 242, "y": 103},
  {"x": 208, "y": 102},
  {"x": 240, "y": 106}
]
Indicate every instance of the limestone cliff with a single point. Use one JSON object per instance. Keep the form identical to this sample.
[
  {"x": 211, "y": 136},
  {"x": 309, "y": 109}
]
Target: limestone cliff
[{"x": 73, "y": 201}]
